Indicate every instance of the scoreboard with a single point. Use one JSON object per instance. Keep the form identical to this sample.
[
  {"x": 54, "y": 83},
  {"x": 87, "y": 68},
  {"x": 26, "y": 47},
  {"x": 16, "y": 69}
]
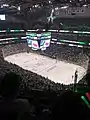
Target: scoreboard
[{"x": 38, "y": 40}]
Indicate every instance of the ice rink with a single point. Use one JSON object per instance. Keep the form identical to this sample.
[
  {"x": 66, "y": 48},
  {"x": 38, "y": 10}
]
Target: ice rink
[{"x": 55, "y": 70}]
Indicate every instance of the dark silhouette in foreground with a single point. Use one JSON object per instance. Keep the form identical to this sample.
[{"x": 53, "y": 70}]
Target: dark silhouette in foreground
[
  {"x": 70, "y": 106},
  {"x": 12, "y": 108}
]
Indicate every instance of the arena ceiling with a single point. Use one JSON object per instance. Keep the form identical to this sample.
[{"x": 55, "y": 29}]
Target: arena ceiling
[
  {"x": 23, "y": 4},
  {"x": 12, "y": 6},
  {"x": 20, "y": 2},
  {"x": 34, "y": 8}
]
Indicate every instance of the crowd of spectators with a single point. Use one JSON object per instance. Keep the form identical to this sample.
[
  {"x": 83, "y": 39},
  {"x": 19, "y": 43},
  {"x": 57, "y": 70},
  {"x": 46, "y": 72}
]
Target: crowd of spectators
[
  {"x": 32, "y": 80},
  {"x": 60, "y": 103},
  {"x": 69, "y": 54},
  {"x": 14, "y": 49},
  {"x": 68, "y": 104}
]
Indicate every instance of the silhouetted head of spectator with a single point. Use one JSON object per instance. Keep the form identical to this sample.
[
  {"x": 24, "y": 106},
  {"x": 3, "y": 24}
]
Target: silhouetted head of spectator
[
  {"x": 10, "y": 85},
  {"x": 68, "y": 106},
  {"x": 88, "y": 78}
]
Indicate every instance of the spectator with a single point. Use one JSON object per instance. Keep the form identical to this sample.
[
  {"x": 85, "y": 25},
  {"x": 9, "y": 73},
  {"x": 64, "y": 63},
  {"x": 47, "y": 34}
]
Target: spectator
[
  {"x": 10, "y": 106},
  {"x": 69, "y": 106}
]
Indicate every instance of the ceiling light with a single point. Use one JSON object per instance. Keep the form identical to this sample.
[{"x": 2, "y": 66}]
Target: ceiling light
[
  {"x": 30, "y": 8},
  {"x": 64, "y": 7},
  {"x": 52, "y": 10},
  {"x": 19, "y": 8},
  {"x": 36, "y": 5},
  {"x": 13, "y": 6},
  {"x": 56, "y": 8},
  {"x": 5, "y": 5},
  {"x": 84, "y": 5},
  {"x": 50, "y": 2}
]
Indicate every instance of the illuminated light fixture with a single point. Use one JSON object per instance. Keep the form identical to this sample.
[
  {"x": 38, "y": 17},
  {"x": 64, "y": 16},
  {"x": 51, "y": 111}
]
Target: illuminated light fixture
[
  {"x": 75, "y": 31},
  {"x": 80, "y": 46},
  {"x": 64, "y": 31},
  {"x": 43, "y": 30},
  {"x": 53, "y": 30},
  {"x": 4, "y": 5},
  {"x": 23, "y": 37},
  {"x": 19, "y": 8},
  {"x": 81, "y": 32},
  {"x": 52, "y": 10},
  {"x": 9, "y": 38},
  {"x": 59, "y": 43},
  {"x": 64, "y": 7},
  {"x": 13, "y": 6},
  {"x": 61, "y": 23},
  {"x": 88, "y": 32},
  {"x": 14, "y": 30},
  {"x": 30, "y": 8},
  {"x": 54, "y": 39},
  {"x": 36, "y": 6},
  {"x": 52, "y": 42},
  {"x": 3, "y": 31},
  {"x": 35, "y": 38},
  {"x": 50, "y": 1},
  {"x": 71, "y": 45},
  {"x": 56, "y": 8},
  {"x": 31, "y": 30},
  {"x": 85, "y": 5}
]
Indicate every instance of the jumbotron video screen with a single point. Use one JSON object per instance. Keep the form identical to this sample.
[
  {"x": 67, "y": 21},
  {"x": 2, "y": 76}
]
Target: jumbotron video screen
[{"x": 38, "y": 41}]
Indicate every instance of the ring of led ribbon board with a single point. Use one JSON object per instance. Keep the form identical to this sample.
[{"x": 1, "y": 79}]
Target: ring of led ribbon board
[{"x": 85, "y": 100}]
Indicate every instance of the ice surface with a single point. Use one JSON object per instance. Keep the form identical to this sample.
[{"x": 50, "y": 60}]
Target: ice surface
[{"x": 57, "y": 71}]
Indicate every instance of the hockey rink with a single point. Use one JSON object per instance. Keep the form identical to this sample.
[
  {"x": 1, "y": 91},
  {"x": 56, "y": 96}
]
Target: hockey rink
[{"x": 55, "y": 70}]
